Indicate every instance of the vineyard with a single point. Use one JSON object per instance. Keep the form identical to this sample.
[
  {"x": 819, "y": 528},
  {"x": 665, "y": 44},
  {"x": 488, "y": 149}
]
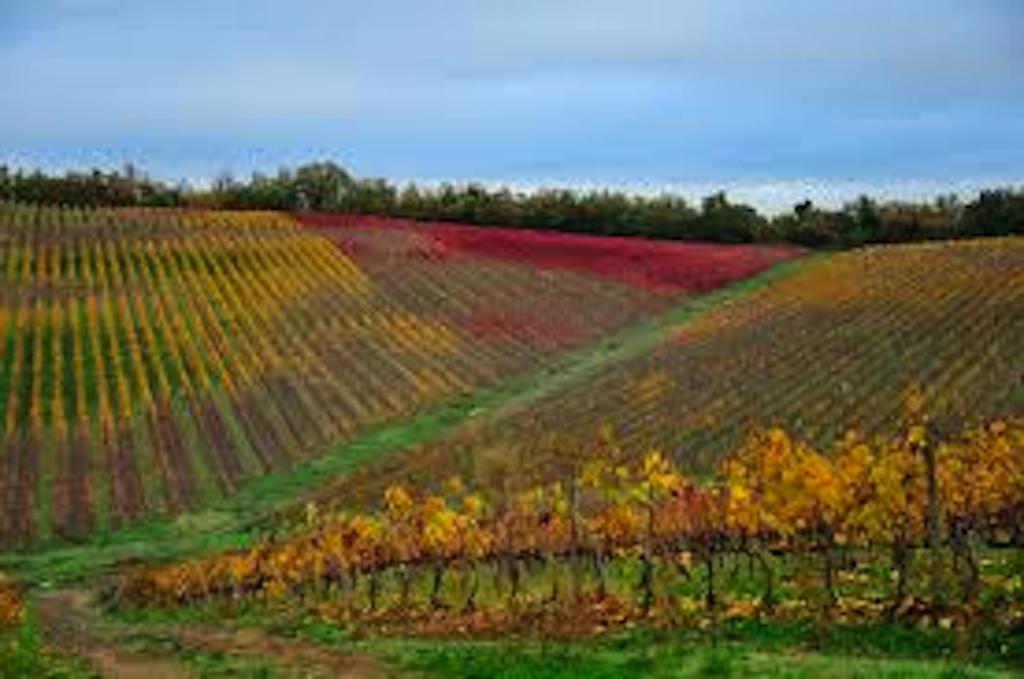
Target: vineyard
[
  {"x": 831, "y": 348},
  {"x": 619, "y": 433},
  {"x": 153, "y": 360},
  {"x": 511, "y": 340},
  {"x": 812, "y": 531}
]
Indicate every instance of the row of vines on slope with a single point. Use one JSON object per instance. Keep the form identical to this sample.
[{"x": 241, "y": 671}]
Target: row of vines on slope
[{"x": 774, "y": 502}]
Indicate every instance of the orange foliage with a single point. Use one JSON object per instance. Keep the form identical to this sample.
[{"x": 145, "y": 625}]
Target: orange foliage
[{"x": 774, "y": 489}]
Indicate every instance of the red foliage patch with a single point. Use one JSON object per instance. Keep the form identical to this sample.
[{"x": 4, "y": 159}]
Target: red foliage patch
[{"x": 667, "y": 265}]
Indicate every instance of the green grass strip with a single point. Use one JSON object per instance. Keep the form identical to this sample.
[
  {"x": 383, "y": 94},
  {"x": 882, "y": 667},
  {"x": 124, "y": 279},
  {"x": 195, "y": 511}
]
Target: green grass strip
[{"x": 782, "y": 651}]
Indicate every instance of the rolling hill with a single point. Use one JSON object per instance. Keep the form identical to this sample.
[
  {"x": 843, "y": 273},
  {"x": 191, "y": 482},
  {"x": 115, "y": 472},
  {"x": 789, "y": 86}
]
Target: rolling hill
[
  {"x": 835, "y": 345},
  {"x": 153, "y": 360}
]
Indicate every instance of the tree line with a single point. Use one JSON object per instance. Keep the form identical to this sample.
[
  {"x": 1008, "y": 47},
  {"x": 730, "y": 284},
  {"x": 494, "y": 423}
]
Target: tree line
[{"x": 326, "y": 187}]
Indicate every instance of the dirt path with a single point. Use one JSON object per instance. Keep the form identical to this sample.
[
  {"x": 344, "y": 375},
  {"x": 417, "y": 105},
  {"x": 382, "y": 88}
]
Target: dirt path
[{"x": 71, "y": 623}]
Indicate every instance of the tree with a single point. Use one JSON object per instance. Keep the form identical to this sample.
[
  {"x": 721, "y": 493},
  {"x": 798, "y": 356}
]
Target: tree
[
  {"x": 995, "y": 213},
  {"x": 322, "y": 186},
  {"x": 726, "y": 222}
]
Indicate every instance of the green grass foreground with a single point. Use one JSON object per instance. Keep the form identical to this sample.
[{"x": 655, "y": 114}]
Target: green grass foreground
[
  {"x": 733, "y": 648},
  {"x": 740, "y": 649},
  {"x": 23, "y": 653},
  {"x": 642, "y": 659}
]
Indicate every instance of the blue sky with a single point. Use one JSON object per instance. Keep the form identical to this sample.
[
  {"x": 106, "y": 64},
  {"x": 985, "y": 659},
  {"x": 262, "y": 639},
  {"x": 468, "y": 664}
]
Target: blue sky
[{"x": 638, "y": 93}]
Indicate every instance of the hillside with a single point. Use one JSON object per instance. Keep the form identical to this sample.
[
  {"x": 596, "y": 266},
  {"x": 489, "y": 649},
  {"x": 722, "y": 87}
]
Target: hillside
[
  {"x": 835, "y": 346},
  {"x": 154, "y": 360}
]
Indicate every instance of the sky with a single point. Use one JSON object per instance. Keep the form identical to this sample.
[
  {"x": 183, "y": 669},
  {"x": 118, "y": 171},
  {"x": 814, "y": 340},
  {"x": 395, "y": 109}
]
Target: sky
[{"x": 768, "y": 98}]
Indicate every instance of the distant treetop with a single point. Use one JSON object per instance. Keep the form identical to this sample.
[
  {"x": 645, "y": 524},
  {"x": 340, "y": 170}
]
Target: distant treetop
[{"x": 326, "y": 187}]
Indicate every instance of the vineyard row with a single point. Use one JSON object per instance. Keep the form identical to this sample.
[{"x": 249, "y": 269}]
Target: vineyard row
[{"x": 775, "y": 498}]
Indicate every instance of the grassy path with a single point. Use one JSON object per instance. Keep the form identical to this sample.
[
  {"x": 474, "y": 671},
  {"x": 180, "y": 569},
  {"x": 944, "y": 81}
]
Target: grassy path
[
  {"x": 236, "y": 521},
  {"x": 72, "y": 625}
]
